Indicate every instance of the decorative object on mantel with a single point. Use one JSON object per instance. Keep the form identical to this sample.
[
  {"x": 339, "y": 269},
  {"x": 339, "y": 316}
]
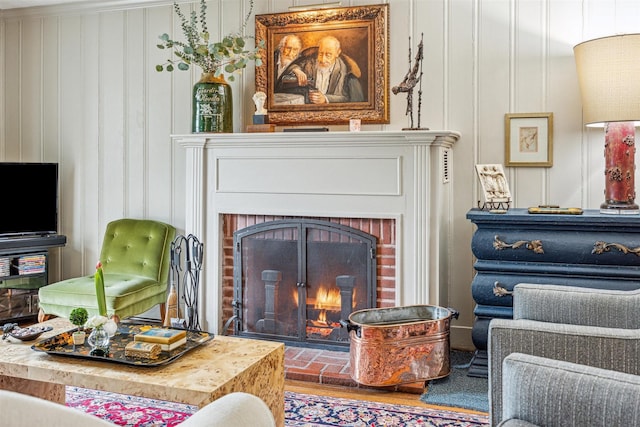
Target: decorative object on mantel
[
  {"x": 497, "y": 197},
  {"x": 608, "y": 69},
  {"x": 186, "y": 264},
  {"x": 411, "y": 79},
  {"x": 268, "y": 127},
  {"x": 322, "y": 129},
  {"x": 260, "y": 117},
  {"x": 212, "y": 109}
]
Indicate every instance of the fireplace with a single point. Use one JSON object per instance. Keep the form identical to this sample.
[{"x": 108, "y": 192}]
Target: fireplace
[
  {"x": 403, "y": 178},
  {"x": 296, "y": 279}
]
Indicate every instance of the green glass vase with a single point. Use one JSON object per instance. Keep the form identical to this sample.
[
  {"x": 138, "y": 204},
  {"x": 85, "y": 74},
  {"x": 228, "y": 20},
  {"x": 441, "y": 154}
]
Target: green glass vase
[{"x": 212, "y": 105}]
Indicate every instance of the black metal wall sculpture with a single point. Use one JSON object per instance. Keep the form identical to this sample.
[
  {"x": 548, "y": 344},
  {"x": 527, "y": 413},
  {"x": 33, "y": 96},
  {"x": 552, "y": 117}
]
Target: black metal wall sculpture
[{"x": 186, "y": 265}]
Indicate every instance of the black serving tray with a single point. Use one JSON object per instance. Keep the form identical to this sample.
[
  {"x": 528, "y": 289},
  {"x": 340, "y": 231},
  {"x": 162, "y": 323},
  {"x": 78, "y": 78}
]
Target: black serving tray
[{"x": 62, "y": 345}]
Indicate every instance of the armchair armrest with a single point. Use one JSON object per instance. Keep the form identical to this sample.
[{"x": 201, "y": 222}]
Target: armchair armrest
[
  {"x": 575, "y": 305},
  {"x": 588, "y": 345},
  {"x": 548, "y": 392}
]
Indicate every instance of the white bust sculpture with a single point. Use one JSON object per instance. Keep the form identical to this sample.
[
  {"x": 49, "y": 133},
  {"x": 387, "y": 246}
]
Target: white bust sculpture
[{"x": 259, "y": 99}]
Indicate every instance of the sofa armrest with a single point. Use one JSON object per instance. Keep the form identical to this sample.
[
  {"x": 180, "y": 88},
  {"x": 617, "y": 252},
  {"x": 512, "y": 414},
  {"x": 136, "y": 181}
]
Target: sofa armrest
[
  {"x": 551, "y": 393},
  {"x": 234, "y": 409},
  {"x": 21, "y": 410},
  {"x": 575, "y": 305},
  {"x": 599, "y": 347}
]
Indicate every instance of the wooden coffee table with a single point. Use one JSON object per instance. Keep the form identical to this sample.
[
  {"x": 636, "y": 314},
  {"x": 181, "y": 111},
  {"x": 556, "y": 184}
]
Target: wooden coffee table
[{"x": 218, "y": 367}]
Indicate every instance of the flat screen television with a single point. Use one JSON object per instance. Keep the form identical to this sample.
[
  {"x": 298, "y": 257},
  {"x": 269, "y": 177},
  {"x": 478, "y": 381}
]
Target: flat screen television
[{"x": 30, "y": 208}]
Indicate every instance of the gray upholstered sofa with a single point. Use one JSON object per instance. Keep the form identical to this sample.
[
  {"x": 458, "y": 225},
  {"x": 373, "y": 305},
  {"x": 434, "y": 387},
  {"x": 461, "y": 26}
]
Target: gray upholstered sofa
[
  {"x": 584, "y": 326},
  {"x": 544, "y": 392},
  {"x": 234, "y": 409}
]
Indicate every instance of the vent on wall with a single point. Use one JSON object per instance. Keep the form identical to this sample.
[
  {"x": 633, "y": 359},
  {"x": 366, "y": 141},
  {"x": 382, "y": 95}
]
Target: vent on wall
[{"x": 445, "y": 166}]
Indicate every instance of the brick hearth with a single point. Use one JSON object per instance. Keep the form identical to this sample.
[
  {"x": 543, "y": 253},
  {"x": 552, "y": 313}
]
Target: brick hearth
[{"x": 328, "y": 367}]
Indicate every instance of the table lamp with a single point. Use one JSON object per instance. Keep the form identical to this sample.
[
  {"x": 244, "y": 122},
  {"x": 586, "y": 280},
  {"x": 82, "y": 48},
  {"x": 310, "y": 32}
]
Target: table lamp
[{"x": 609, "y": 77}]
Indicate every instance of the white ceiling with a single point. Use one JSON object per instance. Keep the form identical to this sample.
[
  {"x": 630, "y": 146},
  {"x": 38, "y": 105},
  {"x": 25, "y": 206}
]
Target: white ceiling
[
  {"x": 14, "y": 4},
  {"x": 18, "y": 4}
]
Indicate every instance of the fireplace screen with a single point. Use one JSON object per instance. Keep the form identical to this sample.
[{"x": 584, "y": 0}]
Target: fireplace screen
[{"x": 294, "y": 280}]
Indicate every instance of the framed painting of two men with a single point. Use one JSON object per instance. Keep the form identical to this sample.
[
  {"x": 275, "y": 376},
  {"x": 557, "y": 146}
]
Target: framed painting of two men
[{"x": 325, "y": 66}]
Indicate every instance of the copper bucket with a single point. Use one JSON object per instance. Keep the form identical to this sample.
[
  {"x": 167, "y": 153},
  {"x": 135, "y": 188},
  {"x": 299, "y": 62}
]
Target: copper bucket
[{"x": 399, "y": 345}]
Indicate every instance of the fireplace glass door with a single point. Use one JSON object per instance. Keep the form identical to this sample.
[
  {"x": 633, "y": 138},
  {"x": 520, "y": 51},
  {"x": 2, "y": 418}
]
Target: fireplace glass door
[{"x": 294, "y": 280}]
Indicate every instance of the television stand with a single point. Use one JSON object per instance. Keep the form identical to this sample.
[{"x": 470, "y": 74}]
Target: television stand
[{"x": 24, "y": 262}]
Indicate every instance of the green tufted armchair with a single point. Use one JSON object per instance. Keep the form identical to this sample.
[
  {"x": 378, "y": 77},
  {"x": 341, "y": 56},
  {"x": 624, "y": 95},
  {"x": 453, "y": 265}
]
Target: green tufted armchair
[{"x": 135, "y": 258}]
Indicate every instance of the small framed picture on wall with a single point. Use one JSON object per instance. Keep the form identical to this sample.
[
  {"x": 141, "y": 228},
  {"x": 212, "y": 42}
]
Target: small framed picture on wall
[{"x": 529, "y": 139}]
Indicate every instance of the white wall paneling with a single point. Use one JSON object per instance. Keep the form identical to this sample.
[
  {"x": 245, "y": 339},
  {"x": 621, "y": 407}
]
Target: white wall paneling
[{"x": 78, "y": 86}]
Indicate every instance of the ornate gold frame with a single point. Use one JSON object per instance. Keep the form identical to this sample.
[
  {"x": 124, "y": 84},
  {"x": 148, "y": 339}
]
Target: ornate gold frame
[{"x": 364, "y": 26}]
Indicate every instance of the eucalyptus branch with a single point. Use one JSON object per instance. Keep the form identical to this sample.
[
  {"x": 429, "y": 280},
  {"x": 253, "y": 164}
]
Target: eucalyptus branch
[{"x": 227, "y": 56}]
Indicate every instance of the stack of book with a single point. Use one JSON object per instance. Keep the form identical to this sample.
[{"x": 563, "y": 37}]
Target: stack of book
[
  {"x": 5, "y": 267},
  {"x": 168, "y": 339},
  {"x": 31, "y": 264}
]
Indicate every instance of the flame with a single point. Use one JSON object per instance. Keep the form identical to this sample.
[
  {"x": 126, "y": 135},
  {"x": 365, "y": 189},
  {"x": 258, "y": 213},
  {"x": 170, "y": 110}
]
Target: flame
[{"x": 327, "y": 299}]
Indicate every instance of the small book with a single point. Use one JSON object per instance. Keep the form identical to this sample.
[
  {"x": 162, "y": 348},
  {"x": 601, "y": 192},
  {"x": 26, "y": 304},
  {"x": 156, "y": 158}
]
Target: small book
[
  {"x": 174, "y": 345},
  {"x": 161, "y": 336},
  {"x": 142, "y": 350}
]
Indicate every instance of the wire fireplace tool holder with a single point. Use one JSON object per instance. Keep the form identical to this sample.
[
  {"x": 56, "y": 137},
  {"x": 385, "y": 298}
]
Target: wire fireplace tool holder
[{"x": 186, "y": 265}]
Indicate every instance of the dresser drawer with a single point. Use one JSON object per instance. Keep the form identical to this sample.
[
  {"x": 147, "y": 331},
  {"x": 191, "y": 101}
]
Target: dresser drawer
[
  {"x": 494, "y": 287},
  {"x": 542, "y": 246}
]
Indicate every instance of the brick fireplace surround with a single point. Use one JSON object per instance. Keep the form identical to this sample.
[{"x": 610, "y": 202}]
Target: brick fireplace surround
[{"x": 404, "y": 177}]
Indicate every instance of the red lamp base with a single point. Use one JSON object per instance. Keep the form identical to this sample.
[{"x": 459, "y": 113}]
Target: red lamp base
[{"x": 619, "y": 154}]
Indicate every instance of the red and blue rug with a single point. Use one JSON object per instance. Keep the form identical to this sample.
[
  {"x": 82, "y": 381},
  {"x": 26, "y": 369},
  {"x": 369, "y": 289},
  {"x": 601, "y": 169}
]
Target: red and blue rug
[{"x": 301, "y": 410}]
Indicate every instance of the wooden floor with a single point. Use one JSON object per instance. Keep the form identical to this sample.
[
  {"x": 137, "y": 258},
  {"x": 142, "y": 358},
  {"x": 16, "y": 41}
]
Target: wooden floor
[{"x": 371, "y": 395}]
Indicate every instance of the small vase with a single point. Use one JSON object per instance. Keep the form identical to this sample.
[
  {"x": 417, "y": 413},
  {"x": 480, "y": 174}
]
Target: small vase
[
  {"x": 212, "y": 105},
  {"x": 98, "y": 339}
]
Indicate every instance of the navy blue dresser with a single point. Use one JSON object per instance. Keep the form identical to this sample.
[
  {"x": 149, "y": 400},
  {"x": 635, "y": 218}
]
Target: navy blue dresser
[{"x": 592, "y": 250}]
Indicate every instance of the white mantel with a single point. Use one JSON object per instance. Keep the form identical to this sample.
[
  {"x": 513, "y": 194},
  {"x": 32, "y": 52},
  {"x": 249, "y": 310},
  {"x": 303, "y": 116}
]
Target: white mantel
[{"x": 404, "y": 175}]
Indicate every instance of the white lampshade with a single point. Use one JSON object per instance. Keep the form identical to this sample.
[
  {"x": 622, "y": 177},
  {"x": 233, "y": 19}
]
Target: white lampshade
[{"x": 609, "y": 78}]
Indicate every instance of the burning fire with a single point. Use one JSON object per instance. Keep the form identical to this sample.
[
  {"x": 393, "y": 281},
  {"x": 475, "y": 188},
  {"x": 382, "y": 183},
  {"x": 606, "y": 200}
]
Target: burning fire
[{"x": 327, "y": 299}]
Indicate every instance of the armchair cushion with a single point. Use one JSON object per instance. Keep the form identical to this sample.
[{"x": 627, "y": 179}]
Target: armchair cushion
[
  {"x": 546, "y": 392},
  {"x": 125, "y": 294}
]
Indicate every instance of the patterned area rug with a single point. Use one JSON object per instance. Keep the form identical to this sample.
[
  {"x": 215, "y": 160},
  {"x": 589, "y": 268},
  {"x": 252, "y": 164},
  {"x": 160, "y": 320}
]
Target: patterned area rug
[{"x": 301, "y": 410}]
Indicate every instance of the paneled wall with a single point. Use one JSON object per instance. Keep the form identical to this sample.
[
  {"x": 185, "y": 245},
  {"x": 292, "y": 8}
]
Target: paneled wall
[{"x": 78, "y": 87}]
